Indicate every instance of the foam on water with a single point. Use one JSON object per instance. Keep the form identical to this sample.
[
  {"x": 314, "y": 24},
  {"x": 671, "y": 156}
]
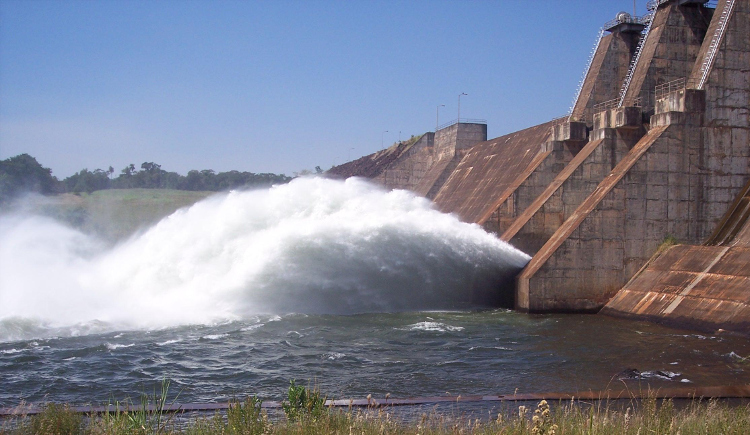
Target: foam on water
[
  {"x": 434, "y": 327},
  {"x": 312, "y": 246}
]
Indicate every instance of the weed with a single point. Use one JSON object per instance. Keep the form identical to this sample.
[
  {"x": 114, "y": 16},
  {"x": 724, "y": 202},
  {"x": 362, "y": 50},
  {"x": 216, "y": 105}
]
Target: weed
[{"x": 303, "y": 402}]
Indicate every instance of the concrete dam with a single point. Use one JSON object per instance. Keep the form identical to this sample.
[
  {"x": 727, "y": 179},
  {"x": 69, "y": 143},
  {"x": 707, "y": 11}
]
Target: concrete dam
[{"x": 634, "y": 204}]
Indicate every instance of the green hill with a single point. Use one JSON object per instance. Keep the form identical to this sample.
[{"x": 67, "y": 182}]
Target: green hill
[{"x": 115, "y": 214}]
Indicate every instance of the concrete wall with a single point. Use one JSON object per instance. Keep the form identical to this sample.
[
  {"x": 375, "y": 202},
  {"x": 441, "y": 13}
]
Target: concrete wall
[
  {"x": 411, "y": 165},
  {"x": 558, "y": 155},
  {"x": 650, "y": 195},
  {"x": 593, "y": 206},
  {"x": 726, "y": 134},
  {"x": 451, "y": 144},
  {"x": 458, "y": 138},
  {"x": 670, "y": 49},
  {"x": 706, "y": 287},
  {"x": 539, "y": 222},
  {"x": 608, "y": 69}
]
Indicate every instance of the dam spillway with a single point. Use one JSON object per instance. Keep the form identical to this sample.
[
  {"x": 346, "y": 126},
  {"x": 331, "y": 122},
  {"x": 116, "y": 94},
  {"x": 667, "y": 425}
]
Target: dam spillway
[{"x": 656, "y": 148}]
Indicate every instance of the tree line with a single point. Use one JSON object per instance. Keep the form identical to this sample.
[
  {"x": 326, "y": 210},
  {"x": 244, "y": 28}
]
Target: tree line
[{"x": 23, "y": 173}]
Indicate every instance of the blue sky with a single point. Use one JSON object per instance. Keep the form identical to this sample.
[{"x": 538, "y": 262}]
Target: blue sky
[{"x": 276, "y": 86}]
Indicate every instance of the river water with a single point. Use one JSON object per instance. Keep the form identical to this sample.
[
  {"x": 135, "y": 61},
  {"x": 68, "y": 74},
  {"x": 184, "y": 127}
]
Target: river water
[
  {"x": 335, "y": 284},
  {"x": 350, "y": 356}
]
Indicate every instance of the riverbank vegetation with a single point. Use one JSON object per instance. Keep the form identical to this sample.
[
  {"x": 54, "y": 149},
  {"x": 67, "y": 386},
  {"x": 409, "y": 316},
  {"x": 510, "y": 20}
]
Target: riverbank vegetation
[
  {"x": 23, "y": 174},
  {"x": 304, "y": 414}
]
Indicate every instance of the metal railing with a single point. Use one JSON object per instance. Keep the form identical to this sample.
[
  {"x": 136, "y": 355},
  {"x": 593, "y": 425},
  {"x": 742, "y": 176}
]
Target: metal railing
[
  {"x": 461, "y": 121},
  {"x": 644, "y": 100},
  {"x": 627, "y": 19},
  {"x": 638, "y": 51},
  {"x": 660, "y": 91},
  {"x": 653, "y": 4},
  {"x": 713, "y": 48},
  {"x": 586, "y": 71},
  {"x": 606, "y": 105}
]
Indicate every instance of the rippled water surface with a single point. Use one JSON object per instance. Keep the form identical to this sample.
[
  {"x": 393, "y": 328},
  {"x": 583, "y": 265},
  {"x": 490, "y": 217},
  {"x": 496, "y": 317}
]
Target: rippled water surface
[
  {"x": 405, "y": 354},
  {"x": 84, "y": 320}
]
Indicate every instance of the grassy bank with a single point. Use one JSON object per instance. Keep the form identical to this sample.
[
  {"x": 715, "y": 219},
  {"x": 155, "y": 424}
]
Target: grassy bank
[{"x": 304, "y": 413}]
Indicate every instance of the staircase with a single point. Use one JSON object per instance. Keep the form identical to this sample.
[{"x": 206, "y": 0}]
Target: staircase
[
  {"x": 585, "y": 73},
  {"x": 638, "y": 51},
  {"x": 718, "y": 36}
]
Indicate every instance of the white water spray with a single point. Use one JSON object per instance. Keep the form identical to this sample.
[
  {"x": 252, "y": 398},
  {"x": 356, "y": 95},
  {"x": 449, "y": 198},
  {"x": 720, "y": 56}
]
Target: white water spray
[{"x": 311, "y": 246}]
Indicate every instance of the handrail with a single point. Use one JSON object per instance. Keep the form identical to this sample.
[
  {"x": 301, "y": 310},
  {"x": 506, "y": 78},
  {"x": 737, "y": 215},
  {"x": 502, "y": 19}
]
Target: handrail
[
  {"x": 651, "y": 5},
  {"x": 626, "y": 19},
  {"x": 586, "y": 71},
  {"x": 606, "y": 105},
  {"x": 461, "y": 121},
  {"x": 713, "y": 48},
  {"x": 667, "y": 88},
  {"x": 660, "y": 91},
  {"x": 638, "y": 51}
]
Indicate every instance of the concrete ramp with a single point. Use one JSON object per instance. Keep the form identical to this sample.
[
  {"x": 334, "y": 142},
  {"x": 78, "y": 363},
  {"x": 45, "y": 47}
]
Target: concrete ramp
[
  {"x": 743, "y": 235},
  {"x": 488, "y": 170},
  {"x": 577, "y": 278},
  {"x": 541, "y": 156},
  {"x": 434, "y": 178},
  {"x": 703, "y": 287},
  {"x": 527, "y": 214},
  {"x": 608, "y": 68},
  {"x": 572, "y": 223},
  {"x": 669, "y": 51}
]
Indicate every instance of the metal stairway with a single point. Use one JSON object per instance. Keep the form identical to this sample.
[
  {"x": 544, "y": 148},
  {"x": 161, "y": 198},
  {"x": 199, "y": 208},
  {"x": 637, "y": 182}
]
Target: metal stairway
[
  {"x": 713, "y": 48},
  {"x": 585, "y": 73},
  {"x": 639, "y": 49}
]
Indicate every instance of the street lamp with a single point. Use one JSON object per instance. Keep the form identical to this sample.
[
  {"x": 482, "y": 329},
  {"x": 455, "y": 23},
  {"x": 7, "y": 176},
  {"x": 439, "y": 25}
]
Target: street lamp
[
  {"x": 459, "y": 105},
  {"x": 381, "y": 139},
  {"x": 437, "y": 117}
]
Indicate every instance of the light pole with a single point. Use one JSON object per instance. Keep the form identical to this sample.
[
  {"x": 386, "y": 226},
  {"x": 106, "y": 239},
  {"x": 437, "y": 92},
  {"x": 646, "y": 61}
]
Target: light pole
[
  {"x": 381, "y": 139},
  {"x": 459, "y": 105},
  {"x": 437, "y": 117}
]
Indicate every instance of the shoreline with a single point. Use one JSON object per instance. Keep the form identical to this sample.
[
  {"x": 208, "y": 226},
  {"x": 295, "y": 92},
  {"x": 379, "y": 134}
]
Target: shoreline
[{"x": 687, "y": 393}]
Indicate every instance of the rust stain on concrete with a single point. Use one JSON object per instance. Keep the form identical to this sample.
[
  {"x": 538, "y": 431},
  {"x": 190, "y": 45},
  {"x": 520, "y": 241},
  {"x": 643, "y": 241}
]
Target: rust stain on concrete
[
  {"x": 524, "y": 217},
  {"x": 591, "y": 202},
  {"x": 479, "y": 182},
  {"x": 514, "y": 185}
]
